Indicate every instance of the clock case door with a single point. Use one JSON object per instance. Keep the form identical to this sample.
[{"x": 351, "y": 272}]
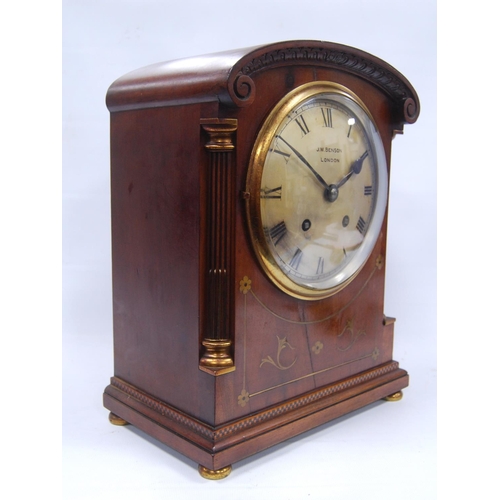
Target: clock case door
[{"x": 210, "y": 357}]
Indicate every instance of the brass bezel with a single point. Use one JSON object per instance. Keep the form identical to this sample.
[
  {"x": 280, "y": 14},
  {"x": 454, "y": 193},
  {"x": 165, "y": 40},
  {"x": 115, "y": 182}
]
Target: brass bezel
[{"x": 253, "y": 185}]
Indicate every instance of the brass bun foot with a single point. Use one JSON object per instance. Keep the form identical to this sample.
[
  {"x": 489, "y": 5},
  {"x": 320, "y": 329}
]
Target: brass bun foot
[
  {"x": 116, "y": 420},
  {"x": 397, "y": 396},
  {"x": 214, "y": 474}
]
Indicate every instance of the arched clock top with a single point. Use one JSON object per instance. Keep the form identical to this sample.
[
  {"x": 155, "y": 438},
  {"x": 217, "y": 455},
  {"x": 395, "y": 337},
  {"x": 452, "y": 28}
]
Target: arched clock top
[
  {"x": 327, "y": 55},
  {"x": 227, "y": 77}
]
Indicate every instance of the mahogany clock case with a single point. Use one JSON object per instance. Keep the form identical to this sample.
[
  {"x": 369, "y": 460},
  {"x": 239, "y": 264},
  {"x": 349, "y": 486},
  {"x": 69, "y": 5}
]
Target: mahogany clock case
[{"x": 210, "y": 357}]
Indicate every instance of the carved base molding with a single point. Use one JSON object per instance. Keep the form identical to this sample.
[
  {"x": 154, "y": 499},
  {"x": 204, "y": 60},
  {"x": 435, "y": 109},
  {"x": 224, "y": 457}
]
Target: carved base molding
[{"x": 218, "y": 447}]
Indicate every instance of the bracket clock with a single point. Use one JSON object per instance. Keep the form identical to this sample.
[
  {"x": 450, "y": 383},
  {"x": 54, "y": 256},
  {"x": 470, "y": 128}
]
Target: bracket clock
[{"x": 249, "y": 194}]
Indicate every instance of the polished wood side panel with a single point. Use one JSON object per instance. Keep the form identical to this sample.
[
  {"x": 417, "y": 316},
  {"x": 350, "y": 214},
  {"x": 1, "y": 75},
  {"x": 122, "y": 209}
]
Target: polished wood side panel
[{"x": 156, "y": 252}]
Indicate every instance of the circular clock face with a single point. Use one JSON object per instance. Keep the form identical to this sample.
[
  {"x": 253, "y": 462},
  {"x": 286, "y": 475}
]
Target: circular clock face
[{"x": 318, "y": 190}]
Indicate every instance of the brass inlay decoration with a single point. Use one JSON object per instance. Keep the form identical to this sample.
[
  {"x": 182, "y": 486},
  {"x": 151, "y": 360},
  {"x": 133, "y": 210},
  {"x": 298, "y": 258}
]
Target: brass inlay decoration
[
  {"x": 349, "y": 332},
  {"x": 248, "y": 288},
  {"x": 317, "y": 347},
  {"x": 352, "y": 336},
  {"x": 245, "y": 285},
  {"x": 282, "y": 344},
  {"x": 307, "y": 399},
  {"x": 312, "y": 374},
  {"x": 243, "y": 398}
]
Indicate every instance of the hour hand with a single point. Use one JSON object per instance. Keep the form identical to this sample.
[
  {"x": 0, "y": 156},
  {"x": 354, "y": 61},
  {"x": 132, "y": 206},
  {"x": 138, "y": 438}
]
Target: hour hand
[
  {"x": 305, "y": 162},
  {"x": 356, "y": 167}
]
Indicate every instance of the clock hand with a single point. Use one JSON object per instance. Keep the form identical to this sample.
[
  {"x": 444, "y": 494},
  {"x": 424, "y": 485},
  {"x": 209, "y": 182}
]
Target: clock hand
[
  {"x": 332, "y": 191},
  {"x": 306, "y": 163},
  {"x": 356, "y": 167}
]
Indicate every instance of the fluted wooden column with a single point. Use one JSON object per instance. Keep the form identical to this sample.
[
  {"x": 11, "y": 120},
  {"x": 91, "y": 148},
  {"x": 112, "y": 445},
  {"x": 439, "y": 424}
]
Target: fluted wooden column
[{"x": 217, "y": 357}]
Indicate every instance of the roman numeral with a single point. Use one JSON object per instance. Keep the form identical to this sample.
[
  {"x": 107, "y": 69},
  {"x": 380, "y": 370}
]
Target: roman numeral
[
  {"x": 277, "y": 232},
  {"x": 327, "y": 117},
  {"x": 295, "y": 262},
  {"x": 321, "y": 266},
  {"x": 277, "y": 150},
  {"x": 361, "y": 225},
  {"x": 368, "y": 190},
  {"x": 271, "y": 194},
  {"x": 302, "y": 124}
]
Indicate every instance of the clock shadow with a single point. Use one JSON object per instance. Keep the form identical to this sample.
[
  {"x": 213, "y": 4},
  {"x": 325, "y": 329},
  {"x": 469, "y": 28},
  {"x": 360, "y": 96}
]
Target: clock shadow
[
  {"x": 265, "y": 454},
  {"x": 190, "y": 472}
]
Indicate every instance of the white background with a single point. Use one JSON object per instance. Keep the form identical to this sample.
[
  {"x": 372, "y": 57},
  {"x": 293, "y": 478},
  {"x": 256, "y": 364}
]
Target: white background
[{"x": 387, "y": 451}]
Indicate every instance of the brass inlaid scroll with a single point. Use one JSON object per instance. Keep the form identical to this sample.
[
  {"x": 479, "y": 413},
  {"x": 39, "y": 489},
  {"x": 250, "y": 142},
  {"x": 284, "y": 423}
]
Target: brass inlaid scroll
[{"x": 349, "y": 335}]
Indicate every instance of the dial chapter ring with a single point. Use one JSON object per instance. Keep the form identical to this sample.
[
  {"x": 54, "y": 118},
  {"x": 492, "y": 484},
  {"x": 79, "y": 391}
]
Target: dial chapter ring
[{"x": 273, "y": 266}]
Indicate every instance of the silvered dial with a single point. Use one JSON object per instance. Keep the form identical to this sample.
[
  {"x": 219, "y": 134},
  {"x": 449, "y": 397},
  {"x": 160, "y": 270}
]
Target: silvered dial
[{"x": 321, "y": 176}]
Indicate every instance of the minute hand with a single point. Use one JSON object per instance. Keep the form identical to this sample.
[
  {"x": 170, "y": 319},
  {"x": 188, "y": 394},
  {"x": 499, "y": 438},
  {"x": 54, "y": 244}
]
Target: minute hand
[
  {"x": 306, "y": 163},
  {"x": 356, "y": 167}
]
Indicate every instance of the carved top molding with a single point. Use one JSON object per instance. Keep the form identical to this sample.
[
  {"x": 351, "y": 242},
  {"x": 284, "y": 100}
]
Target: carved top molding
[
  {"x": 329, "y": 55},
  {"x": 227, "y": 77}
]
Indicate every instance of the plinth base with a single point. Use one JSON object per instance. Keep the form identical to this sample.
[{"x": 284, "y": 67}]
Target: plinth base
[{"x": 215, "y": 448}]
